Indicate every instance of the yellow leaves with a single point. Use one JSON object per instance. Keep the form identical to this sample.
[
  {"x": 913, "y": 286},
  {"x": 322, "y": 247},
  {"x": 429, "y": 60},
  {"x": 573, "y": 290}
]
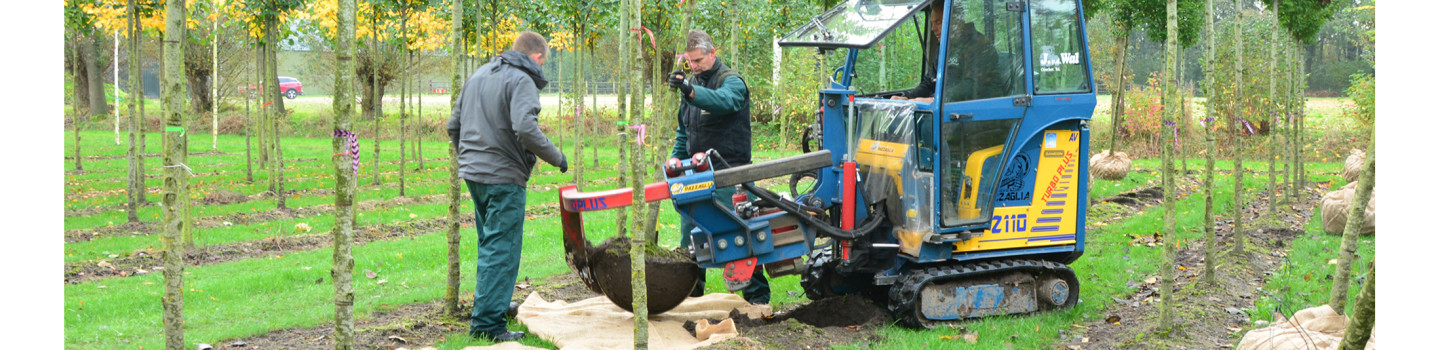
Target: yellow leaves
[{"x": 427, "y": 30}]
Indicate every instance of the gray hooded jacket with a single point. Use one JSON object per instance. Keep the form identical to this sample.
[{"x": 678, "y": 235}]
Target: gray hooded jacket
[{"x": 495, "y": 123}]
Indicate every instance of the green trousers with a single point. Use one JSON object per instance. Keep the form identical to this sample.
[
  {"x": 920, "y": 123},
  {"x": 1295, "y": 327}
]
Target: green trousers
[{"x": 500, "y": 224}]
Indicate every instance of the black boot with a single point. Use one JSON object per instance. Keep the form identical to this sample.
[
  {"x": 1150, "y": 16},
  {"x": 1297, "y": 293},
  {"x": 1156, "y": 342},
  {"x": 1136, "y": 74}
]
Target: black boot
[
  {"x": 502, "y": 336},
  {"x": 513, "y": 310}
]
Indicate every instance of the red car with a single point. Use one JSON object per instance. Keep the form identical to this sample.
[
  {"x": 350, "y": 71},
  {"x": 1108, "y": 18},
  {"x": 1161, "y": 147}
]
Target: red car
[{"x": 289, "y": 86}]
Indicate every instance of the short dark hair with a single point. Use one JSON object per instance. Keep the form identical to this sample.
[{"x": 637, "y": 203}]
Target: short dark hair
[
  {"x": 699, "y": 40},
  {"x": 531, "y": 43}
]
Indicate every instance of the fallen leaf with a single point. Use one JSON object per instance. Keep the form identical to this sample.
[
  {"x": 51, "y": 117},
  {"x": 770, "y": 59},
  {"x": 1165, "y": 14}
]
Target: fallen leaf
[
  {"x": 1113, "y": 319},
  {"x": 398, "y": 338},
  {"x": 1152, "y": 279},
  {"x": 380, "y": 282},
  {"x": 853, "y": 328},
  {"x": 370, "y": 274}
]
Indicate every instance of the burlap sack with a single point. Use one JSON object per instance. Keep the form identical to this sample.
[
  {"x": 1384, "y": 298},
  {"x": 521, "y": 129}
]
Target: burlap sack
[
  {"x": 1314, "y": 328},
  {"x": 596, "y": 323},
  {"x": 1109, "y": 166},
  {"x": 1353, "y": 163},
  {"x": 1336, "y": 205}
]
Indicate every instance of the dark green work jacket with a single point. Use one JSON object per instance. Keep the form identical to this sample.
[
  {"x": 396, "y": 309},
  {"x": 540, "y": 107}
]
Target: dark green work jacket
[{"x": 717, "y": 117}]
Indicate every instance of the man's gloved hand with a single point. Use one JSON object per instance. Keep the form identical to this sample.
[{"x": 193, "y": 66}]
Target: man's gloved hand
[
  {"x": 677, "y": 80},
  {"x": 564, "y": 164}
]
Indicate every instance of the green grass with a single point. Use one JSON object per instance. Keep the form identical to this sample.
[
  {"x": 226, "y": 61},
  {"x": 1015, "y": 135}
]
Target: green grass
[
  {"x": 1306, "y": 278},
  {"x": 256, "y": 296}
]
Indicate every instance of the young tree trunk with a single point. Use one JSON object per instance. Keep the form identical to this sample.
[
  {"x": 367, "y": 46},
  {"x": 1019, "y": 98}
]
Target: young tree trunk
[
  {"x": 594, "y": 113},
  {"x": 277, "y": 107},
  {"x": 262, "y": 137},
  {"x": 1298, "y": 107},
  {"x": 637, "y": 236},
  {"x": 136, "y": 184},
  {"x": 452, "y": 227},
  {"x": 404, "y": 95},
  {"x": 1340, "y": 287},
  {"x": 75, "y": 102},
  {"x": 376, "y": 103},
  {"x": 215, "y": 77},
  {"x": 1300, "y": 127},
  {"x": 579, "y": 123},
  {"x": 1357, "y": 333},
  {"x": 1167, "y": 169},
  {"x": 343, "y": 104},
  {"x": 420, "y": 121},
  {"x": 1235, "y": 129},
  {"x": 249, "y": 129},
  {"x": 144, "y": 123},
  {"x": 1210, "y": 96},
  {"x": 622, "y": 105},
  {"x": 1274, "y": 112},
  {"x": 267, "y": 153},
  {"x": 176, "y": 196},
  {"x": 1117, "y": 97}
]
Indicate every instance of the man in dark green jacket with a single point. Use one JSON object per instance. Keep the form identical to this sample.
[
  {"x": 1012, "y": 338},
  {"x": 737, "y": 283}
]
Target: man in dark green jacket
[
  {"x": 714, "y": 114},
  {"x": 495, "y": 129}
]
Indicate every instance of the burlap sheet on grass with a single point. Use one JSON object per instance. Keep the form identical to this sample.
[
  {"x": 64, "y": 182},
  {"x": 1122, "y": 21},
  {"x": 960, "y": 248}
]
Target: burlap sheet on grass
[
  {"x": 1107, "y": 166},
  {"x": 1335, "y": 207},
  {"x": 1314, "y": 328},
  {"x": 595, "y": 323},
  {"x": 1353, "y": 163},
  {"x": 509, "y": 345}
]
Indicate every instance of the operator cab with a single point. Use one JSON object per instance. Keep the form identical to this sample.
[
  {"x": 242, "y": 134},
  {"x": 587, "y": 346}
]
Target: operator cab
[{"x": 981, "y": 115}]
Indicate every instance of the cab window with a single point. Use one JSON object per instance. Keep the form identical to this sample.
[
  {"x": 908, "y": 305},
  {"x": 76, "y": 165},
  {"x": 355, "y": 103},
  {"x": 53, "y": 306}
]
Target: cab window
[
  {"x": 1059, "y": 58},
  {"x": 985, "y": 57}
]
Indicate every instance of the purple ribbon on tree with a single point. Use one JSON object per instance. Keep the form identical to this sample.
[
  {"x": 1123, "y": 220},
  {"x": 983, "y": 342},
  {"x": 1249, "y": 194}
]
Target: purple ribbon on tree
[
  {"x": 1174, "y": 134},
  {"x": 354, "y": 152}
]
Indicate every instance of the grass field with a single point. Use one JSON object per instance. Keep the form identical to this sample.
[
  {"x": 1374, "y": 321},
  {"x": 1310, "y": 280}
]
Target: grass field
[{"x": 247, "y": 297}]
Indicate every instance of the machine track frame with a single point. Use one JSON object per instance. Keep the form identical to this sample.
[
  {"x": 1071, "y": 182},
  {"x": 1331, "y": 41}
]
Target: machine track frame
[{"x": 905, "y": 296}]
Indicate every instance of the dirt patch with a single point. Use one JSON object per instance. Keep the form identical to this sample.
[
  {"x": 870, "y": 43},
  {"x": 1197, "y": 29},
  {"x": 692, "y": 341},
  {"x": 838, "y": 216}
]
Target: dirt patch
[
  {"x": 223, "y": 196},
  {"x": 1138, "y": 198},
  {"x": 669, "y": 275},
  {"x": 149, "y": 227},
  {"x": 842, "y": 320},
  {"x": 1206, "y": 316},
  {"x": 145, "y": 261}
]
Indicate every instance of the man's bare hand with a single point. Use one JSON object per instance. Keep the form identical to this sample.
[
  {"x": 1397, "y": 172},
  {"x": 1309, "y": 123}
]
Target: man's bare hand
[
  {"x": 923, "y": 99},
  {"x": 898, "y": 97}
]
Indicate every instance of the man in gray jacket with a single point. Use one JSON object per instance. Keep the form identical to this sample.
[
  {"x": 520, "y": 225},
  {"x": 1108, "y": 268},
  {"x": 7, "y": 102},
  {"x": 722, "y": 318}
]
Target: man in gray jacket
[{"x": 495, "y": 127}]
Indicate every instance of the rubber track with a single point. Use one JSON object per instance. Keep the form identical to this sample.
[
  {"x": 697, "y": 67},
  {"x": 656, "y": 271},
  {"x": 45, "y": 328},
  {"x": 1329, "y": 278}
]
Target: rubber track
[{"x": 904, "y": 296}]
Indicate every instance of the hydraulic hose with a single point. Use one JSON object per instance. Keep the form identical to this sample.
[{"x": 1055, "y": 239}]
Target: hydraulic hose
[{"x": 870, "y": 223}]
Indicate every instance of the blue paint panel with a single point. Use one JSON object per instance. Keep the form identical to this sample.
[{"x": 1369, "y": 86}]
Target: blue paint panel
[
  {"x": 1052, "y": 211},
  {"x": 988, "y": 296},
  {"x": 1047, "y": 220},
  {"x": 1045, "y": 229}
]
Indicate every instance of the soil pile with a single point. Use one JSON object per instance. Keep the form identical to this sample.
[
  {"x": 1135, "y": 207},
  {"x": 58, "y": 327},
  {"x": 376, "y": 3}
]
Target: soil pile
[
  {"x": 670, "y": 275},
  {"x": 1335, "y": 208},
  {"x": 842, "y": 320},
  {"x": 1110, "y": 166}
]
